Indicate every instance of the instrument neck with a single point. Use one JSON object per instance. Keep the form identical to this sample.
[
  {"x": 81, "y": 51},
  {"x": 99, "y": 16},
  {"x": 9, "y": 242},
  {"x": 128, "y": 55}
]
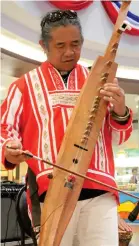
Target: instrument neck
[{"x": 112, "y": 47}]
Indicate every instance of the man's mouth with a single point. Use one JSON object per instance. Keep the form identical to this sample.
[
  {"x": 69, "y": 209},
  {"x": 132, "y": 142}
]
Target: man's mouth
[{"x": 71, "y": 60}]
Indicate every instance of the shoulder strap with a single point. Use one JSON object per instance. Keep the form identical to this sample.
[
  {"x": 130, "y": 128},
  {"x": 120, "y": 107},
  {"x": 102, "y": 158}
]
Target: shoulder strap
[{"x": 33, "y": 188}]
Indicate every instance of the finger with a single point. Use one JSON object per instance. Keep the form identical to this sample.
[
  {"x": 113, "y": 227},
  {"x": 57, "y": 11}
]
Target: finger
[
  {"x": 110, "y": 100},
  {"x": 13, "y": 152},
  {"x": 121, "y": 227},
  {"x": 110, "y": 94},
  {"x": 115, "y": 81},
  {"x": 128, "y": 228},
  {"x": 14, "y": 144},
  {"x": 15, "y": 159},
  {"x": 111, "y": 84},
  {"x": 116, "y": 90},
  {"x": 23, "y": 158},
  {"x": 125, "y": 226},
  {"x": 27, "y": 154}
]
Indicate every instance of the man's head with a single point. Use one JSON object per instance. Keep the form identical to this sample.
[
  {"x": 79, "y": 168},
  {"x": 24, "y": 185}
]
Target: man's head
[
  {"x": 62, "y": 39},
  {"x": 134, "y": 171}
]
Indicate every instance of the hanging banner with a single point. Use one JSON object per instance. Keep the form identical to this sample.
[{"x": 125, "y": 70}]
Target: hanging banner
[
  {"x": 71, "y": 4},
  {"x": 112, "y": 9}
]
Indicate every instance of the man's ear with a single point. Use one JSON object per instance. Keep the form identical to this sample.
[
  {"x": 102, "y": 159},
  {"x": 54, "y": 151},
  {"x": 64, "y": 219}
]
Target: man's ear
[{"x": 43, "y": 46}]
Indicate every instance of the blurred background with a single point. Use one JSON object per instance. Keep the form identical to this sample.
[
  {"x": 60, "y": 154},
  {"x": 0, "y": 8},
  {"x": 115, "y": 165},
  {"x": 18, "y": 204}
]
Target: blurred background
[{"x": 20, "y": 52}]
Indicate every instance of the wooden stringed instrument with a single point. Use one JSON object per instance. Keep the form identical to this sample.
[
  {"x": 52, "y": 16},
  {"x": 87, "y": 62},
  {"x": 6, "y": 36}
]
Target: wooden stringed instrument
[{"x": 79, "y": 142}]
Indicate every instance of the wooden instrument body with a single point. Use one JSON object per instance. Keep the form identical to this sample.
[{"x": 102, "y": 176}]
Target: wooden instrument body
[
  {"x": 90, "y": 109},
  {"x": 57, "y": 213}
]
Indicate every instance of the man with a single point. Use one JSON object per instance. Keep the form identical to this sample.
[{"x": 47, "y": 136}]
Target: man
[
  {"x": 134, "y": 177},
  {"x": 36, "y": 113}
]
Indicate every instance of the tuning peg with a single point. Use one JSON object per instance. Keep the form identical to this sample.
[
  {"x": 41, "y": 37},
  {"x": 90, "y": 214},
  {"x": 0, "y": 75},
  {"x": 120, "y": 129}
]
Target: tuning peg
[
  {"x": 108, "y": 63},
  {"x": 124, "y": 26},
  {"x": 50, "y": 175},
  {"x": 115, "y": 46},
  {"x": 104, "y": 77}
]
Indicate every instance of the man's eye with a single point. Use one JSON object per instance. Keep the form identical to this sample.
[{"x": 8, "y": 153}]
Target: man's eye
[
  {"x": 75, "y": 44},
  {"x": 60, "y": 45}
]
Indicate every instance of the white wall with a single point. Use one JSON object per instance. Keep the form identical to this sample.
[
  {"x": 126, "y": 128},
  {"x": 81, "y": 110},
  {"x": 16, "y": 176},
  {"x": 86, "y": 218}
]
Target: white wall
[{"x": 6, "y": 80}]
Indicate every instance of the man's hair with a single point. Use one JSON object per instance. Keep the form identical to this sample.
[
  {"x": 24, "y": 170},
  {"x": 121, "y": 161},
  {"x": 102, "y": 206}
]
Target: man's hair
[
  {"x": 134, "y": 169},
  {"x": 51, "y": 21}
]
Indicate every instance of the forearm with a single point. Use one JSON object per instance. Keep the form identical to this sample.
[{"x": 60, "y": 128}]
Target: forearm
[{"x": 120, "y": 130}]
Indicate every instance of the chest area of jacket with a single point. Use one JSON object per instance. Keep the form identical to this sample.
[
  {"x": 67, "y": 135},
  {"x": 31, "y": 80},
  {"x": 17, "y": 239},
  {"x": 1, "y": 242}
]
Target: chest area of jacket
[{"x": 53, "y": 106}]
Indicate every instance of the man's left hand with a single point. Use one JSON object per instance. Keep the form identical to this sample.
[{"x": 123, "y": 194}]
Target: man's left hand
[
  {"x": 115, "y": 95},
  {"x": 123, "y": 226}
]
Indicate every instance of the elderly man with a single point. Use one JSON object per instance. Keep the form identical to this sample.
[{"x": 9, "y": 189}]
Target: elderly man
[{"x": 35, "y": 115}]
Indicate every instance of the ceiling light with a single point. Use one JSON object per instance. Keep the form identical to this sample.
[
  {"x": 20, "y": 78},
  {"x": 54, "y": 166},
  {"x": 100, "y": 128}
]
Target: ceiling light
[
  {"x": 2, "y": 88},
  {"x": 22, "y": 49},
  {"x": 37, "y": 54}
]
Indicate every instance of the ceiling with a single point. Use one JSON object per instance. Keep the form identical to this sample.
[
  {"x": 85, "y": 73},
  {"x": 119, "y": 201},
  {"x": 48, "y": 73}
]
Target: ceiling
[{"x": 23, "y": 19}]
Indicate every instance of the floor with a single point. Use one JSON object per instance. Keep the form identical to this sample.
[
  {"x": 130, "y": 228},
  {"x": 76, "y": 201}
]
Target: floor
[
  {"x": 28, "y": 242},
  {"x": 135, "y": 238},
  {"x": 134, "y": 241}
]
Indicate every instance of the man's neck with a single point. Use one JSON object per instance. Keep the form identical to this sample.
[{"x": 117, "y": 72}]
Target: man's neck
[{"x": 64, "y": 72}]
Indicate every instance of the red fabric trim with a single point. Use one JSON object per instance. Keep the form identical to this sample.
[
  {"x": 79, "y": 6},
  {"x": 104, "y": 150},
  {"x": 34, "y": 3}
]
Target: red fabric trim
[
  {"x": 112, "y": 13},
  {"x": 71, "y": 4},
  {"x": 38, "y": 116},
  {"x": 117, "y": 125},
  {"x": 92, "y": 185},
  {"x": 48, "y": 107}
]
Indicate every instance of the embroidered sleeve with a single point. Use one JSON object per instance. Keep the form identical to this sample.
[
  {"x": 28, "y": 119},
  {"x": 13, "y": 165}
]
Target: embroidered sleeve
[
  {"x": 11, "y": 112},
  {"x": 119, "y": 132}
]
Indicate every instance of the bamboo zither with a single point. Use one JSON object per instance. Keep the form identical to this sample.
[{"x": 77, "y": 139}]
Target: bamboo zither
[{"x": 79, "y": 142}]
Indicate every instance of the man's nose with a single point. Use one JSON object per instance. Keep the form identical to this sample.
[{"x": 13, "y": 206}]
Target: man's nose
[{"x": 69, "y": 52}]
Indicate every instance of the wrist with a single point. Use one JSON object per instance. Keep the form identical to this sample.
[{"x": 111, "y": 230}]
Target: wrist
[
  {"x": 8, "y": 165},
  {"x": 120, "y": 112},
  {"x": 120, "y": 118}
]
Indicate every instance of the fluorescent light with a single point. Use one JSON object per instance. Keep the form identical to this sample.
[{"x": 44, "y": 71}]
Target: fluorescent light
[
  {"x": 2, "y": 88},
  {"x": 37, "y": 54},
  {"x": 127, "y": 72},
  {"x": 128, "y": 162},
  {"x": 22, "y": 49}
]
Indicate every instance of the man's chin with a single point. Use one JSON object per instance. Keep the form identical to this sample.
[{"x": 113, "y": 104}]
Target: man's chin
[{"x": 68, "y": 66}]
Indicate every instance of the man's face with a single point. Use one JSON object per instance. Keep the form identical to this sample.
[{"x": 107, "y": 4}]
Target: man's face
[
  {"x": 64, "y": 48},
  {"x": 134, "y": 172}
]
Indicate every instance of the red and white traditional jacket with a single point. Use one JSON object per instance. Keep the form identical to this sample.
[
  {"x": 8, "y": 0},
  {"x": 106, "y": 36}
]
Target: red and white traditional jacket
[{"x": 37, "y": 110}]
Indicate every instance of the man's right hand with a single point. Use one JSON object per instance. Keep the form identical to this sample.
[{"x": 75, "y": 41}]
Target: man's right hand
[{"x": 15, "y": 154}]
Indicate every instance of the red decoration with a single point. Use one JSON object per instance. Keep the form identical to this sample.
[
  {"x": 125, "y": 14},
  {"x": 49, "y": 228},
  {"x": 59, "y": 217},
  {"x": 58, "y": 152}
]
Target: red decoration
[
  {"x": 71, "y": 178},
  {"x": 71, "y": 4},
  {"x": 113, "y": 14}
]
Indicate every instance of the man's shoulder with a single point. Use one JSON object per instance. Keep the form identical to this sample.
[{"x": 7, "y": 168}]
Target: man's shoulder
[
  {"x": 20, "y": 82},
  {"x": 82, "y": 68}
]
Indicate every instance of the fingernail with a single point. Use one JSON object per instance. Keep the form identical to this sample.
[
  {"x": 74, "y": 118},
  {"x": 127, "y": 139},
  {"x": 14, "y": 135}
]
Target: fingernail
[{"x": 8, "y": 145}]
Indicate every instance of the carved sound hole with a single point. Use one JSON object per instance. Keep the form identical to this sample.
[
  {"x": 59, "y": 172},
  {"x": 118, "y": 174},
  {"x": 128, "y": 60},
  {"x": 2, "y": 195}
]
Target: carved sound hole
[{"x": 75, "y": 160}]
